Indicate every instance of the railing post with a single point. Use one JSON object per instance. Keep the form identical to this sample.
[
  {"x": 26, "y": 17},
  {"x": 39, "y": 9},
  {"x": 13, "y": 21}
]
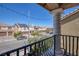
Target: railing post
[
  {"x": 69, "y": 45},
  {"x": 35, "y": 48},
  {"x": 63, "y": 41},
  {"x": 24, "y": 51},
  {"x": 30, "y": 54},
  {"x": 17, "y": 52},
  {"x": 77, "y": 46},
  {"x": 8, "y": 54},
  {"x": 73, "y": 46},
  {"x": 66, "y": 45},
  {"x": 54, "y": 44}
]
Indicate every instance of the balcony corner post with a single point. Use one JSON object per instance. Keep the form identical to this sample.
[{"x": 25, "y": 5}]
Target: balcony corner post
[{"x": 57, "y": 31}]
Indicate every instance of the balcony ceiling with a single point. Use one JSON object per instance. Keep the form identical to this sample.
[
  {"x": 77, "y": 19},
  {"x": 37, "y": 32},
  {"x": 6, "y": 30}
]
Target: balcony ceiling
[{"x": 52, "y": 6}]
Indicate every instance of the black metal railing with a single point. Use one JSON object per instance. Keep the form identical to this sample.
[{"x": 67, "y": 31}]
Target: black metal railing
[
  {"x": 33, "y": 49},
  {"x": 70, "y": 44}
]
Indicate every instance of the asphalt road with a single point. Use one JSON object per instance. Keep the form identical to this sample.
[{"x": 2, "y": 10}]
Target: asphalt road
[{"x": 10, "y": 45}]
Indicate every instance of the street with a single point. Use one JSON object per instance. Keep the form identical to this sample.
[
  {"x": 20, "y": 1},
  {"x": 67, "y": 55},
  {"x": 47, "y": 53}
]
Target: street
[{"x": 9, "y": 45}]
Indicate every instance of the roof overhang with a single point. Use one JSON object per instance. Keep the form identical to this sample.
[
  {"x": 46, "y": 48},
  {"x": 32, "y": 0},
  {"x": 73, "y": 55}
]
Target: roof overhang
[{"x": 53, "y": 6}]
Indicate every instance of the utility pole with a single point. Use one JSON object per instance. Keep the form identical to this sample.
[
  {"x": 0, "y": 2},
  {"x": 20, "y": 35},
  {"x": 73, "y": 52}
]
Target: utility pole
[
  {"x": 28, "y": 24},
  {"x": 28, "y": 19}
]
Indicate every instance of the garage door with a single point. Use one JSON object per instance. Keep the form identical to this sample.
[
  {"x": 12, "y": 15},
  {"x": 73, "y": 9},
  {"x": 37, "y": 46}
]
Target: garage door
[{"x": 2, "y": 33}]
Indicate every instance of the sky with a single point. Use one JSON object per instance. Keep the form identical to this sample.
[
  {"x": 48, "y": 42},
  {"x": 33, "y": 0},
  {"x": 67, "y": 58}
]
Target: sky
[{"x": 28, "y": 13}]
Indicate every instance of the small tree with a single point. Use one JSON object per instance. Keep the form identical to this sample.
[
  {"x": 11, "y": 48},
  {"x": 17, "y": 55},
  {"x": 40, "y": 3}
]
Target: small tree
[
  {"x": 35, "y": 33},
  {"x": 16, "y": 34}
]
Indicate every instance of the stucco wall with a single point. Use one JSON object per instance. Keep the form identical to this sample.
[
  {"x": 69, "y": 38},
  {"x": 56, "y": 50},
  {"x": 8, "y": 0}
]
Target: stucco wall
[{"x": 71, "y": 28}]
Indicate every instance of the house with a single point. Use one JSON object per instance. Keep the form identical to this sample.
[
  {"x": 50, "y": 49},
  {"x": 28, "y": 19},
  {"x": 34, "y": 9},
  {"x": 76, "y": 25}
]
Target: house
[
  {"x": 31, "y": 28},
  {"x": 70, "y": 24},
  {"x": 6, "y": 30},
  {"x": 39, "y": 28},
  {"x": 23, "y": 28},
  {"x": 42, "y": 28}
]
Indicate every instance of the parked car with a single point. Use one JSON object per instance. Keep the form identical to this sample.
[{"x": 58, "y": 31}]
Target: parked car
[{"x": 21, "y": 37}]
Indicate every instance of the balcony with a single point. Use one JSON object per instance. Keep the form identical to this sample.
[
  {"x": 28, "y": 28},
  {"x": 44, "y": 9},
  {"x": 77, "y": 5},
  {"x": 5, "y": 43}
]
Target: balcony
[{"x": 46, "y": 47}]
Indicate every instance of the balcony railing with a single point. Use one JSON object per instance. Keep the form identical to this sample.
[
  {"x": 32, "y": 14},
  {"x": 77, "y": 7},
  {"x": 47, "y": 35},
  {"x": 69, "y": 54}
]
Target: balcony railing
[
  {"x": 69, "y": 45},
  {"x": 33, "y": 49}
]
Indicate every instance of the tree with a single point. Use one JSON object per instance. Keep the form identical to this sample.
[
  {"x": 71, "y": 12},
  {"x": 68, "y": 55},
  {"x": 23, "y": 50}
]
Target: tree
[
  {"x": 16, "y": 34},
  {"x": 35, "y": 33}
]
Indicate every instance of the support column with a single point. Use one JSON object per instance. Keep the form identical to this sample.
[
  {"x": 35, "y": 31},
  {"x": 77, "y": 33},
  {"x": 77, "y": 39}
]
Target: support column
[
  {"x": 7, "y": 33},
  {"x": 57, "y": 30}
]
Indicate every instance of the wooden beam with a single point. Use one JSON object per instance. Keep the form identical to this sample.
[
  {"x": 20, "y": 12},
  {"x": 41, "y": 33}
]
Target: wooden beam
[{"x": 52, "y": 6}]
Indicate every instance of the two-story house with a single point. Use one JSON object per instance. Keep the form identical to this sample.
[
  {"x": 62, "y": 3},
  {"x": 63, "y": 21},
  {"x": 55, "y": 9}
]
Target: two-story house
[
  {"x": 23, "y": 28},
  {"x": 6, "y": 30}
]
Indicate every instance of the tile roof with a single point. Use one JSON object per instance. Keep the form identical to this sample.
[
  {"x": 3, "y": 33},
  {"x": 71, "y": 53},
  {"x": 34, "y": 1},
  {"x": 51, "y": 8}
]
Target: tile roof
[{"x": 21, "y": 25}]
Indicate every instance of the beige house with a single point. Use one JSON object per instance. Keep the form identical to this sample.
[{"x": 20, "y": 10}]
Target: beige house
[
  {"x": 23, "y": 28},
  {"x": 70, "y": 24},
  {"x": 6, "y": 30}
]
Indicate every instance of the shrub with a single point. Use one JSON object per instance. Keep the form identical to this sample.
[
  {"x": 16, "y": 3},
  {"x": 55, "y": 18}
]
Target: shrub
[
  {"x": 35, "y": 33},
  {"x": 16, "y": 34}
]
